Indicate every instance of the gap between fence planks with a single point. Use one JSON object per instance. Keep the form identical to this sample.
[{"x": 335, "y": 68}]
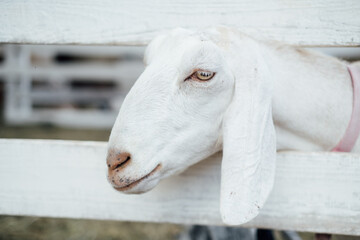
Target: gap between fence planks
[
  {"x": 316, "y": 192},
  {"x": 119, "y": 22}
]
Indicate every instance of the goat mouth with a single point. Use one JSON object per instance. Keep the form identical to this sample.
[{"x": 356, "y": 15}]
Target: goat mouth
[{"x": 136, "y": 182}]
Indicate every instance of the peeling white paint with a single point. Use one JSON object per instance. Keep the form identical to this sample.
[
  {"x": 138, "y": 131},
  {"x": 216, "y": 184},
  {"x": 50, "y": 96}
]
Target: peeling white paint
[{"x": 302, "y": 22}]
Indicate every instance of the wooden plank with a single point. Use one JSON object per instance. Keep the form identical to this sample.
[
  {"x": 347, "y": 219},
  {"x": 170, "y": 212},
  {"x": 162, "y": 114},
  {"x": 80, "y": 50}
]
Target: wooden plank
[
  {"x": 317, "y": 192},
  {"x": 301, "y": 22},
  {"x": 71, "y": 118},
  {"x": 89, "y": 51},
  {"x": 122, "y": 70}
]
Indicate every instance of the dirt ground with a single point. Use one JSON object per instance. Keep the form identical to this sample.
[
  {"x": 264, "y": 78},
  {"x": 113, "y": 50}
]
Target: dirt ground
[{"x": 32, "y": 228}]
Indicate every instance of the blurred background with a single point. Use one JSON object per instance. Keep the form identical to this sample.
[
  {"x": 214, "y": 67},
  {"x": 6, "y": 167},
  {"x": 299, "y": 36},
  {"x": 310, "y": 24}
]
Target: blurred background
[{"x": 75, "y": 92}]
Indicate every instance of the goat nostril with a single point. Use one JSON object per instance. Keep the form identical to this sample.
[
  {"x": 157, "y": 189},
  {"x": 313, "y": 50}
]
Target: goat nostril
[
  {"x": 120, "y": 160},
  {"x": 122, "y": 163}
]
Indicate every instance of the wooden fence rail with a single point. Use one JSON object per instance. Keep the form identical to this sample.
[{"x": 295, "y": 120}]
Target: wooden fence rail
[
  {"x": 302, "y": 22},
  {"x": 313, "y": 191}
]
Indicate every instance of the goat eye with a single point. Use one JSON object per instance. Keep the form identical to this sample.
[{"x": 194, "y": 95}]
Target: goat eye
[{"x": 203, "y": 75}]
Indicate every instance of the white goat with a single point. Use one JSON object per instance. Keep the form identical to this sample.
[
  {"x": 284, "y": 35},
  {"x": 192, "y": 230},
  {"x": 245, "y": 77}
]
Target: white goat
[{"x": 218, "y": 89}]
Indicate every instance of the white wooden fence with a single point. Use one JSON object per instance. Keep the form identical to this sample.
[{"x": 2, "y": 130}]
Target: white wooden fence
[
  {"x": 317, "y": 192},
  {"x": 54, "y": 101},
  {"x": 128, "y": 22}
]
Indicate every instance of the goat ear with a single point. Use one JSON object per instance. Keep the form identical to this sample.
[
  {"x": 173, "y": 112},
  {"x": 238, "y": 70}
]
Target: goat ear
[
  {"x": 152, "y": 48},
  {"x": 249, "y": 150}
]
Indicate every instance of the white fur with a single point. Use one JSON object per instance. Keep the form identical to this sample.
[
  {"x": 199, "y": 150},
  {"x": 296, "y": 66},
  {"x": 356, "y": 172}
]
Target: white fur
[{"x": 166, "y": 120}]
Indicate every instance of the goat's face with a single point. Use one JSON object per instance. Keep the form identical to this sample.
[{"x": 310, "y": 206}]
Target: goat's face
[
  {"x": 172, "y": 116},
  {"x": 195, "y": 98}
]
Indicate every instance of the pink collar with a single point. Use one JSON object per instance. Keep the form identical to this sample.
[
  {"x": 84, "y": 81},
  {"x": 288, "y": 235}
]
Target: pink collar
[{"x": 348, "y": 141}]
